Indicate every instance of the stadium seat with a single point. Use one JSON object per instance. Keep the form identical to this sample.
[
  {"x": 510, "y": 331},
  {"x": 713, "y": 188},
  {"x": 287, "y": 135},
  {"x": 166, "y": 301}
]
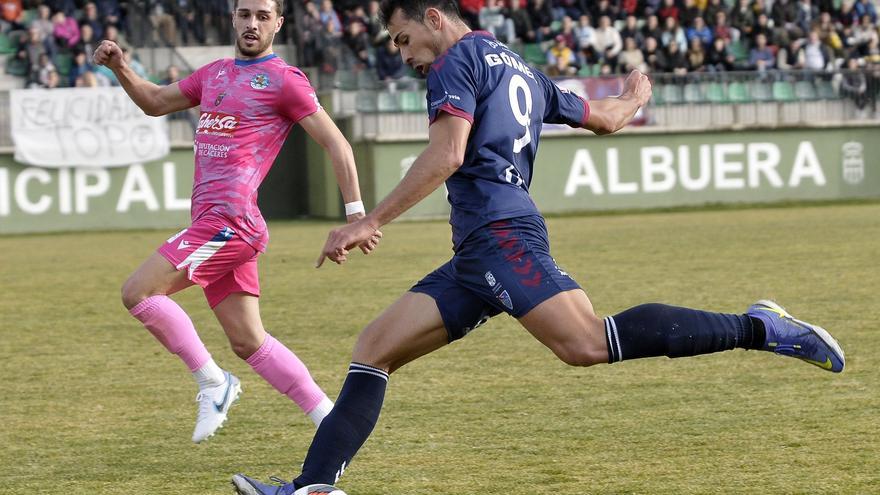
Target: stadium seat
[
  {"x": 760, "y": 91},
  {"x": 715, "y": 93},
  {"x": 805, "y": 90},
  {"x": 672, "y": 94},
  {"x": 737, "y": 92},
  {"x": 585, "y": 71},
  {"x": 657, "y": 94},
  {"x": 413, "y": 101},
  {"x": 533, "y": 54},
  {"x": 63, "y": 62},
  {"x": 825, "y": 90},
  {"x": 693, "y": 93},
  {"x": 388, "y": 102},
  {"x": 783, "y": 91},
  {"x": 7, "y": 45},
  {"x": 739, "y": 50},
  {"x": 367, "y": 102},
  {"x": 367, "y": 79},
  {"x": 17, "y": 67},
  {"x": 345, "y": 79}
]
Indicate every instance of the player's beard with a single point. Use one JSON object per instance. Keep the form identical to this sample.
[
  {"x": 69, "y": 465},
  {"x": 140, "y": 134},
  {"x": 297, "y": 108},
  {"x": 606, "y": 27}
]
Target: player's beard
[{"x": 257, "y": 49}]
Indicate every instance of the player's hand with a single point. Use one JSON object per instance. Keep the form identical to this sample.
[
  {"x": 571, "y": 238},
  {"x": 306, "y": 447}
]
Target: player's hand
[
  {"x": 638, "y": 87},
  {"x": 341, "y": 240},
  {"x": 370, "y": 244},
  {"x": 108, "y": 53}
]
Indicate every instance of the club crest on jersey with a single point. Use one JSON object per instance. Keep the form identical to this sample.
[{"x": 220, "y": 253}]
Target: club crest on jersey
[{"x": 260, "y": 81}]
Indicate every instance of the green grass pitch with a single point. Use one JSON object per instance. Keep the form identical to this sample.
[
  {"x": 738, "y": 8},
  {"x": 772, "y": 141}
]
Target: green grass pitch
[{"x": 91, "y": 404}]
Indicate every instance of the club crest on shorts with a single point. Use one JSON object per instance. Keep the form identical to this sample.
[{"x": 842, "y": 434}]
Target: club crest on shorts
[
  {"x": 504, "y": 297},
  {"x": 260, "y": 81}
]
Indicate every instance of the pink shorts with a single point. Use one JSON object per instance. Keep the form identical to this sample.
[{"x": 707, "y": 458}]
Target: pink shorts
[{"x": 215, "y": 257}]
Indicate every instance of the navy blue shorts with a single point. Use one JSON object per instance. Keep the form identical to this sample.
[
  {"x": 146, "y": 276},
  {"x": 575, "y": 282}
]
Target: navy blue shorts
[{"x": 504, "y": 266}]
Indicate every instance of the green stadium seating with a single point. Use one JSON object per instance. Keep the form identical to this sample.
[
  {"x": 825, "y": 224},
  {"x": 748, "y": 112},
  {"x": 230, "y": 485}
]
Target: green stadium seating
[
  {"x": 715, "y": 93},
  {"x": 345, "y": 79},
  {"x": 737, "y": 92},
  {"x": 739, "y": 50},
  {"x": 388, "y": 102},
  {"x": 534, "y": 54},
  {"x": 783, "y": 91},
  {"x": 672, "y": 94},
  {"x": 367, "y": 102},
  {"x": 7, "y": 45},
  {"x": 657, "y": 94},
  {"x": 804, "y": 90},
  {"x": 63, "y": 62},
  {"x": 760, "y": 91},
  {"x": 825, "y": 90},
  {"x": 17, "y": 67},
  {"x": 367, "y": 79},
  {"x": 413, "y": 101},
  {"x": 693, "y": 93},
  {"x": 585, "y": 71}
]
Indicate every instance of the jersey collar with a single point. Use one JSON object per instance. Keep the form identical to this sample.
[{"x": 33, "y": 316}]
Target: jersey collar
[{"x": 245, "y": 63}]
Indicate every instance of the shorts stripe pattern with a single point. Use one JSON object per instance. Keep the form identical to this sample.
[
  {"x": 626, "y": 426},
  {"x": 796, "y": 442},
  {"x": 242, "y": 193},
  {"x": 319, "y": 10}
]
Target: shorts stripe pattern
[{"x": 204, "y": 252}]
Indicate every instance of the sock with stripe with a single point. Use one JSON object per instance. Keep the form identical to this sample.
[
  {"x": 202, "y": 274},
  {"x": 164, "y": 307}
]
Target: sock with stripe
[
  {"x": 659, "y": 330},
  {"x": 172, "y": 327},
  {"x": 347, "y": 426},
  {"x": 279, "y": 366}
]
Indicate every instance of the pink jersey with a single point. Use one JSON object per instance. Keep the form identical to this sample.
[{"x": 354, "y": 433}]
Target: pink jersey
[{"x": 248, "y": 108}]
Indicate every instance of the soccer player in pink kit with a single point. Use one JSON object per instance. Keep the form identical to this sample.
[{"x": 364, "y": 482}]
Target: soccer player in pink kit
[{"x": 248, "y": 106}]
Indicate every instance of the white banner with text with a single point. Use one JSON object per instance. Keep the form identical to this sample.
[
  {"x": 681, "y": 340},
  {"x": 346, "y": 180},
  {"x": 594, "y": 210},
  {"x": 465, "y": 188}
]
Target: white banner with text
[{"x": 84, "y": 127}]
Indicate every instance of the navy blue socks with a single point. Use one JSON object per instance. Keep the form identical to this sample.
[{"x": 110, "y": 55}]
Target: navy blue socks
[
  {"x": 347, "y": 426},
  {"x": 659, "y": 330}
]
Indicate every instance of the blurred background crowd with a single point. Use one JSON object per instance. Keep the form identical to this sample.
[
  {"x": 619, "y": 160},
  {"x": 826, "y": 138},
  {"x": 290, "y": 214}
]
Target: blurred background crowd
[{"x": 49, "y": 43}]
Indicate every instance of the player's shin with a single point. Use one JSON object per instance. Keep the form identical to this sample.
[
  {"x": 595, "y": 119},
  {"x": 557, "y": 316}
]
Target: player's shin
[
  {"x": 347, "y": 426},
  {"x": 172, "y": 327},
  {"x": 279, "y": 366},
  {"x": 659, "y": 330}
]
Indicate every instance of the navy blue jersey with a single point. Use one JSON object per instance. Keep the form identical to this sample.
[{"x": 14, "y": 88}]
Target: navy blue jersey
[{"x": 507, "y": 102}]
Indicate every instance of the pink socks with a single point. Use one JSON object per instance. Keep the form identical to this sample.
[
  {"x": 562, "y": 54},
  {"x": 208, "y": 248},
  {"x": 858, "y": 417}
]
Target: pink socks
[
  {"x": 279, "y": 366},
  {"x": 173, "y": 328}
]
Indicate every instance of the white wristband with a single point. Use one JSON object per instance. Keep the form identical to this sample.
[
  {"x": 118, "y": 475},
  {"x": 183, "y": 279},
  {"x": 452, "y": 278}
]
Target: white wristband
[{"x": 354, "y": 207}]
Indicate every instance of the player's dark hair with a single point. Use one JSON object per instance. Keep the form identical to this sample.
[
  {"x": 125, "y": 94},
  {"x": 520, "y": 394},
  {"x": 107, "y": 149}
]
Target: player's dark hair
[
  {"x": 415, "y": 9},
  {"x": 279, "y": 7}
]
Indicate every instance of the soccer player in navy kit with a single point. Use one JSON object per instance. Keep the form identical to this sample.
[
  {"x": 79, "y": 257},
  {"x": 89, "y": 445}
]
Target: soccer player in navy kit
[{"x": 486, "y": 109}]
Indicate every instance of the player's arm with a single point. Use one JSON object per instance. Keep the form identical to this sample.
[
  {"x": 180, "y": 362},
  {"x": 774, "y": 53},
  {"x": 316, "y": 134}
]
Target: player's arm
[
  {"x": 153, "y": 99},
  {"x": 323, "y": 130},
  {"x": 612, "y": 114},
  {"x": 447, "y": 142}
]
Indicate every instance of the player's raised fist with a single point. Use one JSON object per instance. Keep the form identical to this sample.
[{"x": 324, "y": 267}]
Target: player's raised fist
[
  {"x": 638, "y": 86},
  {"x": 108, "y": 53}
]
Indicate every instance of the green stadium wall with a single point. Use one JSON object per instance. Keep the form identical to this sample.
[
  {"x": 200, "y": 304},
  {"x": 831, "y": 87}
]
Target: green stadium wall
[
  {"x": 640, "y": 170},
  {"x": 574, "y": 173}
]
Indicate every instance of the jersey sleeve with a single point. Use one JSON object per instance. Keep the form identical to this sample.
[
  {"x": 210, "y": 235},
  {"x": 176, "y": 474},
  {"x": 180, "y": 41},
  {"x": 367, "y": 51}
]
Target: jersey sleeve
[
  {"x": 563, "y": 106},
  {"x": 191, "y": 85},
  {"x": 298, "y": 98},
  {"x": 452, "y": 88}
]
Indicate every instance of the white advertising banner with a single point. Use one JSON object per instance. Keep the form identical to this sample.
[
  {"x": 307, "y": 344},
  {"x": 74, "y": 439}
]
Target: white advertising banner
[{"x": 84, "y": 127}]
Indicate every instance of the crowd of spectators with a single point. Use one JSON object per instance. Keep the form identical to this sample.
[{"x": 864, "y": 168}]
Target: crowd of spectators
[{"x": 571, "y": 36}]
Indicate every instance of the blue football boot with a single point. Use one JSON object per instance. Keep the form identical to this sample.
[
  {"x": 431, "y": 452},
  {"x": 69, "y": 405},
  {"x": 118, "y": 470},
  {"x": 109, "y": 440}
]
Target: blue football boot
[
  {"x": 789, "y": 336},
  {"x": 245, "y": 485}
]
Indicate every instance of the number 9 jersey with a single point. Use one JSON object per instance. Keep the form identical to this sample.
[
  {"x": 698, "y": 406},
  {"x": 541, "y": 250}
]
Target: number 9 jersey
[{"x": 506, "y": 101}]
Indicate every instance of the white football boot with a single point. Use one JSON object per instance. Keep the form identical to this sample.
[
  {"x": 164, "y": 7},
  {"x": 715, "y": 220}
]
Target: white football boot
[{"x": 214, "y": 403}]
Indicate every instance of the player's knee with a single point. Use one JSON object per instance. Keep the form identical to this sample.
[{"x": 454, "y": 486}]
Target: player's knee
[
  {"x": 132, "y": 295},
  {"x": 581, "y": 355},
  {"x": 244, "y": 346},
  {"x": 369, "y": 351}
]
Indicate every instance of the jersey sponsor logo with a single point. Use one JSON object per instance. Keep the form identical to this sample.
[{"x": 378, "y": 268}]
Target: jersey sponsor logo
[
  {"x": 210, "y": 150},
  {"x": 217, "y": 124},
  {"x": 260, "y": 81}
]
